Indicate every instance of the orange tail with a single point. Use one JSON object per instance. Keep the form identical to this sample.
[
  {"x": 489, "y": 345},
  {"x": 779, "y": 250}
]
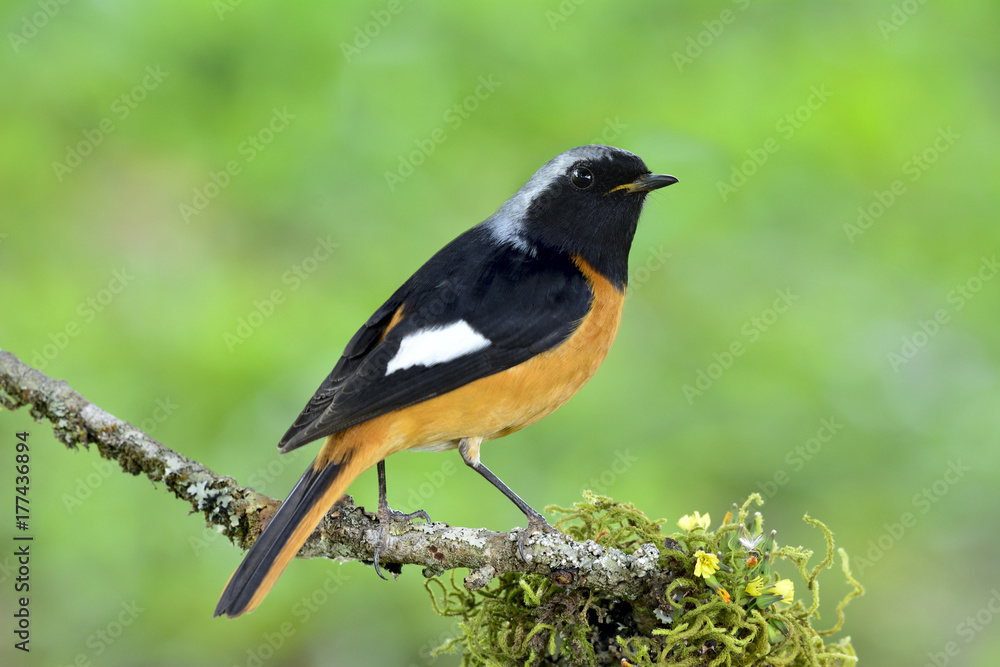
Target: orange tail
[{"x": 296, "y": 519}]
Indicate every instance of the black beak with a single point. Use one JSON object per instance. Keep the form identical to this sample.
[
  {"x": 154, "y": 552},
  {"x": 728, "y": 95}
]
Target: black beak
[{"x": 646, "y": 183}]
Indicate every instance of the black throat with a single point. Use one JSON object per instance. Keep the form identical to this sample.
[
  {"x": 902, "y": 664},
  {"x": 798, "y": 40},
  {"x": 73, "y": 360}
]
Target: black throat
[{"x": 602, "y": 236}]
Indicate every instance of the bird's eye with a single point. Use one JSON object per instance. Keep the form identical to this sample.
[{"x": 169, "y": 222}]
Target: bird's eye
[{"x": 581, "y": 177}]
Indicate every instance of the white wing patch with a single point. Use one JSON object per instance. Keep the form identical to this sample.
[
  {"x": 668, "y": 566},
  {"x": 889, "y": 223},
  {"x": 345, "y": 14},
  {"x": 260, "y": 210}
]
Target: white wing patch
[{"x": 437, "y": 345}]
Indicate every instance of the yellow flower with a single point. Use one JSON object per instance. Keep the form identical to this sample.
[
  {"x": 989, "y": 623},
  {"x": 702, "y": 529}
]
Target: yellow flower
[
  {"x": 706, "y": 565},
  {"x": 755, "y": 586},
  {"x": 785, "y": 588},
  {"x": 689, "y": 522},
  {"x": 724, "y": 594}
]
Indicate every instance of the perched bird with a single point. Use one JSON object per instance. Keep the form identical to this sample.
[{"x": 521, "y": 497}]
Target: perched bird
[{"x": 497, "y": 330}]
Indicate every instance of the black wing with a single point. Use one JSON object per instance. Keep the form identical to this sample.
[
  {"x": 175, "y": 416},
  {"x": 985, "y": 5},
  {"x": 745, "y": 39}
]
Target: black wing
[{"x": 522, "y": 303}]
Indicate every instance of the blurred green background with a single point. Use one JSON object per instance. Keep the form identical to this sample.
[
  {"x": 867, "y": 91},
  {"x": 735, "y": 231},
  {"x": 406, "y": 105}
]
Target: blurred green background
[{"x": 813, "y": 314}]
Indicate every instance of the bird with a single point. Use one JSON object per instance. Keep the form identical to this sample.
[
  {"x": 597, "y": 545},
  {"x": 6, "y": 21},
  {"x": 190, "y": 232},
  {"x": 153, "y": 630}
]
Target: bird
[{"x": 494, "y": 332}]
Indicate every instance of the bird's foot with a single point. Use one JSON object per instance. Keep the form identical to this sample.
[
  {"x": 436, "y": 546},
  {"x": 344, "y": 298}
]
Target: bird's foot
[
  {"x": 386, "y": 517},
  {"x": 536, "y": 524}
]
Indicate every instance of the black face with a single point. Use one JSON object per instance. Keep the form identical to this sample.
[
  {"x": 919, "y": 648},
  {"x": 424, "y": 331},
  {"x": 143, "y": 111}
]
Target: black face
[{"x": 588, "y": 204}]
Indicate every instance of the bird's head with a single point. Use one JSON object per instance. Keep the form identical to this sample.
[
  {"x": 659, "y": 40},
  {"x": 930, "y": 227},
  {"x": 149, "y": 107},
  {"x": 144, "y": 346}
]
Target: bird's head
[{"x": 584, "y": 202}]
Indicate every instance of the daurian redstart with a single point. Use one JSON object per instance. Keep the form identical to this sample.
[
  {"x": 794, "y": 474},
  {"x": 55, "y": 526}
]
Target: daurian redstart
[{"x": 497, "y": 330}]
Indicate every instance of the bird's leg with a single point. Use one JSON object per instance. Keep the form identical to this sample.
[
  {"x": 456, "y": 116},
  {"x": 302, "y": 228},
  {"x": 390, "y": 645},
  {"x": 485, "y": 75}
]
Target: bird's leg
[
  {"x": 386, "y": 515},
  {"x": 469, "y": 449}
]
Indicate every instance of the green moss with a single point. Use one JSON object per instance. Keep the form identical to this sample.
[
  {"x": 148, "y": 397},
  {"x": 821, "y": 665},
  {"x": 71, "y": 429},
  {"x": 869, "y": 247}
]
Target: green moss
[{"x": 679, "y": 619}]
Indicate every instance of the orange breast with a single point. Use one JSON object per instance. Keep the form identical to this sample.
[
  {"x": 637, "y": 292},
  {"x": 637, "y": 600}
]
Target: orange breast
[{"x": 499, "y": 404}]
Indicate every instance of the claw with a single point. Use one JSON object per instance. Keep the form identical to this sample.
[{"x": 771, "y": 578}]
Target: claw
[
  {"x": 386, "y": 516},
  {"x": 419, "y": 514}
]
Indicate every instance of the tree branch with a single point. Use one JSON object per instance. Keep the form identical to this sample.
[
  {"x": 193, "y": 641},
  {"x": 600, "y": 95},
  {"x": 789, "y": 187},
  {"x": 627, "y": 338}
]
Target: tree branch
[{"x": 348, "y": 531}]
